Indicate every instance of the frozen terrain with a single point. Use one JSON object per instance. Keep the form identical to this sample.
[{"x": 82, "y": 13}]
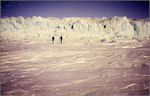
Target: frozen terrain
[
  {"x": 38, "y": 29},
  {"x": 97, "y": 69},
  {"x": 98, "y": 57}
]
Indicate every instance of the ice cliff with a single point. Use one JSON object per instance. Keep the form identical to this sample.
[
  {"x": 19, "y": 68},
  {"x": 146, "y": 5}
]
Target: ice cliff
[{"x": 73, "y": 28}]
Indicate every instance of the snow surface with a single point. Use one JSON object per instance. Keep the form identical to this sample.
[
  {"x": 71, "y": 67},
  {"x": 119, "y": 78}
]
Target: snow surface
[
  {"x": 81, "y": 66},
  {"x": 94, "y": 69},
  {"x": 104, "y": 29}
]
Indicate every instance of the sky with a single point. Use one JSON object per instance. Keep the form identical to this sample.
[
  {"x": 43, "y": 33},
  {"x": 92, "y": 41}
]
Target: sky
[{"x": 134, "y": 9}]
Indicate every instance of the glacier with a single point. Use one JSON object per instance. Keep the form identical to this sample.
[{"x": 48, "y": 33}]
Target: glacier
[{"x": 79, "y": 29}]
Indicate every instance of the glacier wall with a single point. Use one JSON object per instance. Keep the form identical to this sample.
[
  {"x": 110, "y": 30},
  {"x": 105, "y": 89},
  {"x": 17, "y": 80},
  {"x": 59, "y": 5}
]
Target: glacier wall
[{"x": 73, "y": 28}]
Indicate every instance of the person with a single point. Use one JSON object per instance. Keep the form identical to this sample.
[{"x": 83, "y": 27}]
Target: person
[
  {"x": 53, "y": 38},
  {"x": 61, "y": 38}
]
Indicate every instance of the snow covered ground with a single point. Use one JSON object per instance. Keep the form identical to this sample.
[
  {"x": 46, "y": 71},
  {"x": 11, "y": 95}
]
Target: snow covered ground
[
  {"x": 79, "y": 69},
  {"x": 98, "y": 57}
]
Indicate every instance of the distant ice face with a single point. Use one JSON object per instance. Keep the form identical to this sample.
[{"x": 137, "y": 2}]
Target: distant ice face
[{"x": 42, "y": 29}]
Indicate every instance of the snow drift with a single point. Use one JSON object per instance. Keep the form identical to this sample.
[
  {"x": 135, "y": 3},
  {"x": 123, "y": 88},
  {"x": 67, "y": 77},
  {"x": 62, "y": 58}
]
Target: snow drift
[{"x": 73, "y": 29}]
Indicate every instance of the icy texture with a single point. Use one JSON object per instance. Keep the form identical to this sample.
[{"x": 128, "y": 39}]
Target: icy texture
[{"x": 73, "y": 29}]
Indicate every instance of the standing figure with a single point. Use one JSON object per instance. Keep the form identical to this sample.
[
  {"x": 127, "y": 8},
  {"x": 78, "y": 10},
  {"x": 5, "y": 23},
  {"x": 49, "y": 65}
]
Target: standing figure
[
  {"x": 61, "y": 38},
  {"x": 53, "y": 38}
]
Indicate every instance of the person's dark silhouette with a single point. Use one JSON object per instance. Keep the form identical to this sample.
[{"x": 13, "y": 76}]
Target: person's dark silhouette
[
  {"x": 53, "y": 38},
  {"x": 61, "y": 38}
]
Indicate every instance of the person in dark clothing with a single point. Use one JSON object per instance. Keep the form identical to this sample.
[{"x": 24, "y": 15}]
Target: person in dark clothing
[
  {"x": 53, "y": 38},
  {"x": 61, "y": 38}
]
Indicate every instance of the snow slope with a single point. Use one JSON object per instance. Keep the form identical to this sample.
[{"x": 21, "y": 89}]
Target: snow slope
[{"x": 73, "y": 29}]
